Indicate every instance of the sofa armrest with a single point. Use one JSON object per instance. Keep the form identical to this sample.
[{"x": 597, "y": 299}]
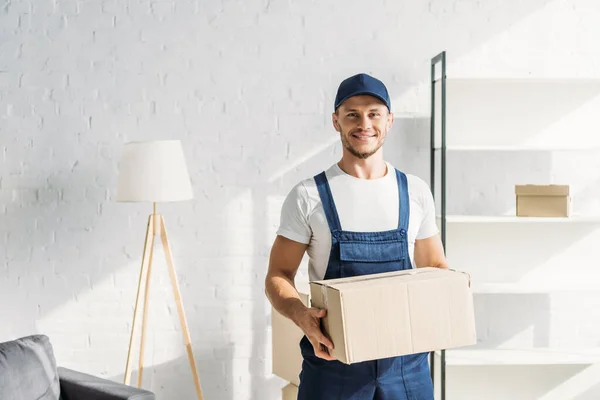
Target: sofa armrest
[{"x": 76, "y": 385}]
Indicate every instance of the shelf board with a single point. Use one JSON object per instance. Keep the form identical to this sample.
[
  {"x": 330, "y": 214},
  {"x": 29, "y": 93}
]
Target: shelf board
[
  {"x": 523, "y": 80},
  {"x": 477, "y": 110},
  {"x": 483, "y": 219},
  {"x": 518, "y": 148},
  {"x": 519, "y": 288},
  {"x": 533, "y": 356}
]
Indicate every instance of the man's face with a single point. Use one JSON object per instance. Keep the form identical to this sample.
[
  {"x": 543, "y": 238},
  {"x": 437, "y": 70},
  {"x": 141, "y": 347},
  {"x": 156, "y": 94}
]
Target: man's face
[{"x": 363, "y": 122}]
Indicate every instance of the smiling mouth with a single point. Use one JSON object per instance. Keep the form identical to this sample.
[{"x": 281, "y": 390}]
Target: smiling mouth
[{"x": 362, "y": 137}]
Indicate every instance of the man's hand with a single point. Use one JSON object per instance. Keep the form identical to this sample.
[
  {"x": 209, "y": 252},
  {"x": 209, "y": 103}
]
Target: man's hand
[
  {"x": 286, "y": 256},
  {"x": 309, "y": 320}
]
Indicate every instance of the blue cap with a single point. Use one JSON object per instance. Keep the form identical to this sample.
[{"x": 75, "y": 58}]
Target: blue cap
[{"x": 362, "y": 84}]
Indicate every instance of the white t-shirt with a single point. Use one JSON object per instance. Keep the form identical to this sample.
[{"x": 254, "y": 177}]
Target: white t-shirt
[{"x": 363, "y": 205}]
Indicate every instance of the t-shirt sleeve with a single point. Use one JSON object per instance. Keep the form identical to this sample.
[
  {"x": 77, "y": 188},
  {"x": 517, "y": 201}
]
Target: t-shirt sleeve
[
  {"x": 428, "y": 226},
  {"x": 293, "y": 223}
]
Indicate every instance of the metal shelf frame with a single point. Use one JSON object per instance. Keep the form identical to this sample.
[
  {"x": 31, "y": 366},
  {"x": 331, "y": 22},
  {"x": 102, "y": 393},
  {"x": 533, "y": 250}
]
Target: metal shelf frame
[
  {"x": 531, "y": 356},
  {"x": 439, "y": 59}
]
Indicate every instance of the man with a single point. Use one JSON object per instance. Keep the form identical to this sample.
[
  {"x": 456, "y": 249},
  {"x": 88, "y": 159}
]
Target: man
[{"x": 365, "y": 204}]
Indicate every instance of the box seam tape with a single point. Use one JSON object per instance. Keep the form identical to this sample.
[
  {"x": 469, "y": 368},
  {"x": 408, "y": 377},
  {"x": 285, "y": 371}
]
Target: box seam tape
[
  {"x": 461, "y": 272},
  {"x": 324, "y": 293}
]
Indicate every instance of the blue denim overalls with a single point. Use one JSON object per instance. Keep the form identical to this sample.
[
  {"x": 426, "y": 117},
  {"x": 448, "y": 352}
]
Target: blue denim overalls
[{"x": 363, "y": 253}]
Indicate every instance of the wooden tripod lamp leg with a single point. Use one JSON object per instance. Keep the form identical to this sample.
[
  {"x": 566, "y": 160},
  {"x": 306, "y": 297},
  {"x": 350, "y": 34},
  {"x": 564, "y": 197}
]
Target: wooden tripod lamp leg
[
  {"x": 146, "y": 257},
  {"x": 182, "y": 319},
  {"x": 146, "y": 301}
]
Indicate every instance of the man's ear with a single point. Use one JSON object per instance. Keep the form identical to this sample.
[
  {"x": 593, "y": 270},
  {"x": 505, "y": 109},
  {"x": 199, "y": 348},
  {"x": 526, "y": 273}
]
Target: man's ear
[
  {"x": 390, "y": 120},
  {"x": 334, "y": 120}
]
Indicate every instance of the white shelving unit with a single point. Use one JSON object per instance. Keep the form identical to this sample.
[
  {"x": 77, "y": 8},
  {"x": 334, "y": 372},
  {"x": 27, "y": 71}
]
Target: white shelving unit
[
  {"x": 519, "y": 114},
  {"x": 508, "y": 255},
  {"x": 521, "y": 148},
  {"x": 531, "y": 356},
  {"x": 528, "y": 288},
  {"x": 511, "y": 219}
]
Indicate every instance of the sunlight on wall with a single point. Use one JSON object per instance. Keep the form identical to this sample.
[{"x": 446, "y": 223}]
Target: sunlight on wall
[
  {"x": 239, "y": 220},
  {"x": 88, "y": 328},
  {"x": 301, "y": 160},
  {"x": 508, "y": 54},
  {"x": 567, "y": 267},
  {"x": 525, "y": 40},
  {"x": 524, "y": 337},
  {"x": 575, "y": 386}
]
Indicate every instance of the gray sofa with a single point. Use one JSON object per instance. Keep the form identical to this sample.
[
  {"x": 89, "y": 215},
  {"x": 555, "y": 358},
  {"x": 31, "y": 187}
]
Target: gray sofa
[{"x": 28, "y": 371}]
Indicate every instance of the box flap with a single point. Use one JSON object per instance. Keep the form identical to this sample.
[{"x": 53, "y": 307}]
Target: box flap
[
  {"x": 333, "y": 325},
  {"x": 542, "y": 190}
]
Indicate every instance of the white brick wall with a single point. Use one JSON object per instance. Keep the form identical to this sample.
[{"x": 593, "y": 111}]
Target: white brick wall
[{"x": 247, "y": 86}]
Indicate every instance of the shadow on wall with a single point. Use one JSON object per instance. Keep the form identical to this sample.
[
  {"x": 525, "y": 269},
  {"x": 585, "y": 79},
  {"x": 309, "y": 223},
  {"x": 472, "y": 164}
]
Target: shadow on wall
[
  {"x": 498, "y": 324},
  {"x": 585, "y": 192},
  {"x": 61, "y": 241},
  {"x": 581, "y": 386},
  {"x": 407, "y": 146},
  {"x": 174, "y": 380},
  {"x": 483, "y": 182}
]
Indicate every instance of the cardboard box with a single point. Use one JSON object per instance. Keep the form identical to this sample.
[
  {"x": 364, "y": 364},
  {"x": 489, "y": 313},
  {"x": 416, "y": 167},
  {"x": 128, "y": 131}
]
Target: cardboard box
[
  {"x": 289, "y": 392},
  {"x": 543, "y": 200},
  {"x": 397, "y": 313},
  {"x": 286, "y": 336}
]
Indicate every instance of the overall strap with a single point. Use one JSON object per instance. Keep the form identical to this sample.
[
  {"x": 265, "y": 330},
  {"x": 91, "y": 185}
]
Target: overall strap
[
  {"x": 328, "y": 204},
  {"x": 404, "y": 201}
]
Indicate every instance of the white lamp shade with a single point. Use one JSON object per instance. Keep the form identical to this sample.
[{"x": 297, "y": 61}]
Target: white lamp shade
[{"x": 154, "y": 171}]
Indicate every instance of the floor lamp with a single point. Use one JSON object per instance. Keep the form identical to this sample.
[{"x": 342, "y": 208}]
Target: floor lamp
[{"x": 155, "y": 172}]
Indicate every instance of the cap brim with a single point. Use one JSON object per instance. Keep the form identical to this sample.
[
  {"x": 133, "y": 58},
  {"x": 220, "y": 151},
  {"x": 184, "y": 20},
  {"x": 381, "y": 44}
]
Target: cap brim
[{"x": 362, "y": 93}]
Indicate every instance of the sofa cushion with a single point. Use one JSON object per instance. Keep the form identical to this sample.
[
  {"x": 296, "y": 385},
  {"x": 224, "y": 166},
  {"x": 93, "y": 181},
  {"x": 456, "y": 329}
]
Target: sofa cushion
[
  {"x": 75, "y": 385},
  {"x": 28, "y": 369}
]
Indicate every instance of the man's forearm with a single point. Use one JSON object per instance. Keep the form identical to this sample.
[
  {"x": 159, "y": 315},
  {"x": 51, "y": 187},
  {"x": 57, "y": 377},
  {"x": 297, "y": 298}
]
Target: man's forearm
[
  {"x": 283, "y": 296},
  {"x": 429, "y": 252}
]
